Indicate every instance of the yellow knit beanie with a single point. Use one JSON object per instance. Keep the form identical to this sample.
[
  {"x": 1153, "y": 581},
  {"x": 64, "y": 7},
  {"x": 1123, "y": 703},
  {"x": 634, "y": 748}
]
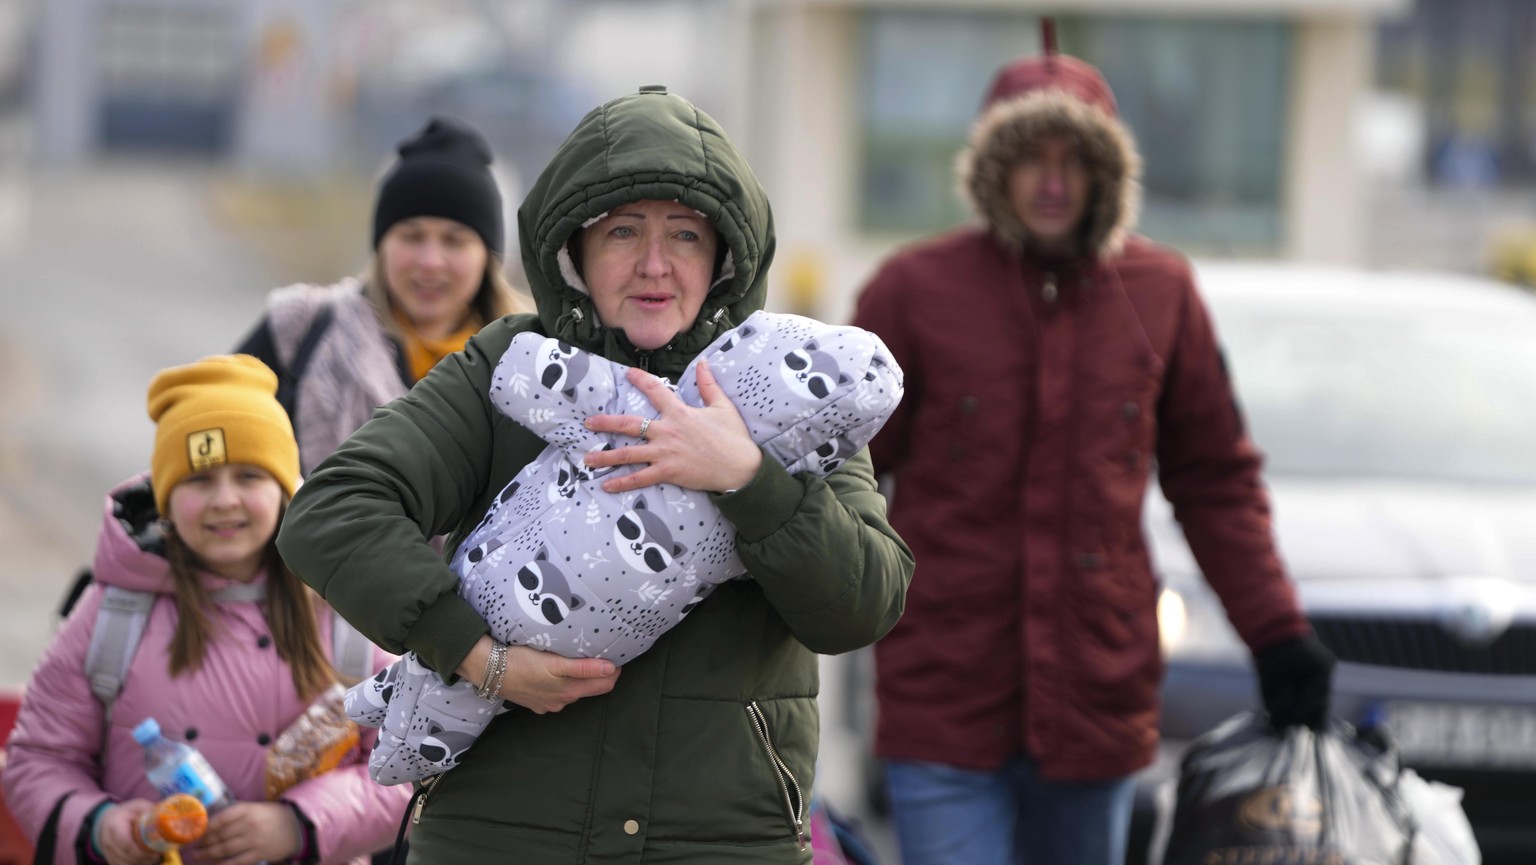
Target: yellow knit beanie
[{"x": 220, "y": 410}]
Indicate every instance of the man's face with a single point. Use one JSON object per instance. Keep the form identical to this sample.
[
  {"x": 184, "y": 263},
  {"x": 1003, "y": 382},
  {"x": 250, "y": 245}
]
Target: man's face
[{"x": 1050, "y": 189}]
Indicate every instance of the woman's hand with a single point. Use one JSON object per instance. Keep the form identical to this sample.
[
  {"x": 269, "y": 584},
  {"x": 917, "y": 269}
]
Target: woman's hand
[
  {"x": 705, "y": 448},
  {"x": 115, "y": 828},
  {"x": 542, "y": 681},
  {"x": 249, "y": 832}
]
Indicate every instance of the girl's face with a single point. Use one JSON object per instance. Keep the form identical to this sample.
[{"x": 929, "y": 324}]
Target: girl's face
[
  {"x": 226, "y": 516},
  {"x": 433, "y": 267},
  {"x": 648, "y": 266}
]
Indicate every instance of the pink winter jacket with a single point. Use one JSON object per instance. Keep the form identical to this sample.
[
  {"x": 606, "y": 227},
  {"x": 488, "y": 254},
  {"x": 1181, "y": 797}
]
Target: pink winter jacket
[{"x": 231, "y": 709}]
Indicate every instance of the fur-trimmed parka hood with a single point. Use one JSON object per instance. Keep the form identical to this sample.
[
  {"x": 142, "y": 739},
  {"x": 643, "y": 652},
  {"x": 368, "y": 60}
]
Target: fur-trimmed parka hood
[{"x": 1035, "y": 97}]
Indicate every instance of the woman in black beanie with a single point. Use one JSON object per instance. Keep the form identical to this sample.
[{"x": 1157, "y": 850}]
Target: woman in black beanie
[{"x": 342, "y": 350}]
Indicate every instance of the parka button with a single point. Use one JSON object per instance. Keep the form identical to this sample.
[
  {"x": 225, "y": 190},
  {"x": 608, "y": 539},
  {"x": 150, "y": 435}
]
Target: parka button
[
  {"x": 263, "y": 739},
  {"x": 190, "y": 734},
  {"x": 1130, "y": 410},
  {"x": 263, "y": 641},
  {"x": 1090, "y": 561},
  {"x": 631, "y": 827}
]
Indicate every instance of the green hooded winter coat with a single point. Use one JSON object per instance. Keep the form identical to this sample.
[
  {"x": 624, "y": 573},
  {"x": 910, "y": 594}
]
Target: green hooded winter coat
[{"x": 704, "y": 751}]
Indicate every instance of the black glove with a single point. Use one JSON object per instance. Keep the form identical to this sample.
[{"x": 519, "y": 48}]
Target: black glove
[{"x": 1295, "y": 678}]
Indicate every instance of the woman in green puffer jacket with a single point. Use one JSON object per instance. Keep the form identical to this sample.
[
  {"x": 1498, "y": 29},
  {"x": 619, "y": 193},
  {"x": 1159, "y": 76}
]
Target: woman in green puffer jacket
[{"x": 645, "y": 238}]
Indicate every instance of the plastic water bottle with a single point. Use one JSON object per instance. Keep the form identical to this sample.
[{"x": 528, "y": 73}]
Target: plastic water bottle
[{"x": 176, "y": 767}]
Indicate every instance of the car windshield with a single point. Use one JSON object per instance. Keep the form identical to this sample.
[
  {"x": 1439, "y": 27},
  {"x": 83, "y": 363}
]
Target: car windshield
[{"x": 1431, "y": 397}]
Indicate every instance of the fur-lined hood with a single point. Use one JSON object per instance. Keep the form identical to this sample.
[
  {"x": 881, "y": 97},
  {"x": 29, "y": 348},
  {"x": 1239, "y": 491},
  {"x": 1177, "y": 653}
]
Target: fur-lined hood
[{"x": 1035, "y": 97}]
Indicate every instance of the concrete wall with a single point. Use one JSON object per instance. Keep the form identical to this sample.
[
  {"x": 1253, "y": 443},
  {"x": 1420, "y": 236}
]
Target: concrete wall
[
  {"x": 804, "y": 147},
  {"x": 1323, "y": 201}
]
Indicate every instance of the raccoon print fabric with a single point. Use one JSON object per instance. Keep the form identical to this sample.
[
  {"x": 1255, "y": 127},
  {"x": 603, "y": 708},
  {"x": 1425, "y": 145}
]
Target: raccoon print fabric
[{"x": 560, "y": 565}]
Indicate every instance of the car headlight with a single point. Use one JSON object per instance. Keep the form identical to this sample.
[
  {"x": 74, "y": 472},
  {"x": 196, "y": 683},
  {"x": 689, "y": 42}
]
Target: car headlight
[
  {"x": 1192, "y": 625},
  {"x": 1172, "y": 620}
]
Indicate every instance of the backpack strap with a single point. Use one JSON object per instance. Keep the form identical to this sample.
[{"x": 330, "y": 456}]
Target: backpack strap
[
  {"x": 293, "y": 370},
  {"x": 124, "y": 613},
  {"x": 120, "y": 626},
  {"x": 83, "y": 580},
  {"x": 48, "y": 840},
  {"x": 351, "y": 652},
  {"x": 317, "y": 329}
]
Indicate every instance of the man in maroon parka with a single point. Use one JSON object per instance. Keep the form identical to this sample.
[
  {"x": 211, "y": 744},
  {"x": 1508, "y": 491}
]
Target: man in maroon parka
[{"x": 1052, "y": 359}]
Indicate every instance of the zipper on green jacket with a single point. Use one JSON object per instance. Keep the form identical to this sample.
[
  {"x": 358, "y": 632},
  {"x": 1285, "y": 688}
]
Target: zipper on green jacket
[
  {"x": 789, "y": 788},
  {"x": 421, "y": 800}
]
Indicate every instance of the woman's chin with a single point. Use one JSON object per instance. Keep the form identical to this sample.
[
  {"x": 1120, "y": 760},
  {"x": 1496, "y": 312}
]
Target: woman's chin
[{"x": 650, "y": 336}]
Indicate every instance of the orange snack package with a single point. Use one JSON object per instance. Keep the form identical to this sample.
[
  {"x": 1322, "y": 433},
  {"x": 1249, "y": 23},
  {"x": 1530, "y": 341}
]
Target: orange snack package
[{"x": 316, "y": 743}]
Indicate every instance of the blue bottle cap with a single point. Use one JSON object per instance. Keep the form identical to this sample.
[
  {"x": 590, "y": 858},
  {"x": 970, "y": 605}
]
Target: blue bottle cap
[{"x": 147, "y": 731}]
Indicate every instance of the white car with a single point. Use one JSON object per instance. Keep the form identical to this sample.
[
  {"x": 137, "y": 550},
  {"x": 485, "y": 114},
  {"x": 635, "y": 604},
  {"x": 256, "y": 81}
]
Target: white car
[{"x": 1397, "y": 413}]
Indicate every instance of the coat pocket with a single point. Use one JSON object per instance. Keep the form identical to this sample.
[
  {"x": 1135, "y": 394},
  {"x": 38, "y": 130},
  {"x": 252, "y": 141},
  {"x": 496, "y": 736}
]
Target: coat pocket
[{"x": 789, "y": 791}]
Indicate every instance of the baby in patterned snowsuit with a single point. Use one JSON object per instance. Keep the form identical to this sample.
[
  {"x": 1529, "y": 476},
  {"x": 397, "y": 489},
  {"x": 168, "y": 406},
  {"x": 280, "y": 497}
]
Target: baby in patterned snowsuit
[{"x": 561, "y": 565}]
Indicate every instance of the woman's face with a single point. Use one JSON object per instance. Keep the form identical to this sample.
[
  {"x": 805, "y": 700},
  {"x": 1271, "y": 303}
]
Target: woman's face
[
  {"x": 433, "y": 268},
  {"x": 648, "y": 265},
  {"x": 226, "y": 515}
]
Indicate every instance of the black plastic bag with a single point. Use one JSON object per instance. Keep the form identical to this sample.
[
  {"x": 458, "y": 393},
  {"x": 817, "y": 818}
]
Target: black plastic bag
[{"x": 1248, "y": 795}]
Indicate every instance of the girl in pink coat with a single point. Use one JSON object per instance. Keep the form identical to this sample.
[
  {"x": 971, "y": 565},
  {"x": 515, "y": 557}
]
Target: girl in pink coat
[{"x": 223, "y": 670}]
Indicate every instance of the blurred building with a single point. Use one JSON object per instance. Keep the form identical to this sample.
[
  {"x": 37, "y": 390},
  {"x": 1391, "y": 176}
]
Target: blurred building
[
  {"x": 1245, "y": 111},
  {"x": 1469, "y": 65},
  {"x": 1458, "y": 76},
  {"x": 309, "y": 86},
  {"x": 296, "y": 105},
  {"x": 851, "y": 110},
  {"x": 247, "y": 79}
]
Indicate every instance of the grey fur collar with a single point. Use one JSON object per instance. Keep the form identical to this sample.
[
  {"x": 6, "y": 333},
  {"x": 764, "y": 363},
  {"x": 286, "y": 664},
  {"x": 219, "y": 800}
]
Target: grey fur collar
[{"x": 352, "y": 371}]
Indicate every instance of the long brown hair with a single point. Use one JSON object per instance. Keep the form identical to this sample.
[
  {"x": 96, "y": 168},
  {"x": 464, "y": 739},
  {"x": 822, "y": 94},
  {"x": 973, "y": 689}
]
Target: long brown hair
[{"x": 289, "y": 609}]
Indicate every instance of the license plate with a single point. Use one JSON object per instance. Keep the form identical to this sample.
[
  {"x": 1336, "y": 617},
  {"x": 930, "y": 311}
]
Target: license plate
[{"x": 1463, "y": 736}]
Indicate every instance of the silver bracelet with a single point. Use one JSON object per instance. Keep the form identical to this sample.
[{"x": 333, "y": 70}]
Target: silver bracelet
[
  {"x": 495, "y": 670},
  {"x": 501, "y": 673}
]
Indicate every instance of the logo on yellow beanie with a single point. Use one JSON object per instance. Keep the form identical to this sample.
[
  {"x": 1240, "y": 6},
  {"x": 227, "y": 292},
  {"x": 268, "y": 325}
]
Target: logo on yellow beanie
[{"x": 205, "y": 449}]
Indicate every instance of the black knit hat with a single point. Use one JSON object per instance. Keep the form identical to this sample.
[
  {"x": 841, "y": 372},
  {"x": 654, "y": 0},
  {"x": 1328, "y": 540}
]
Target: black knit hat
[{"x": 444, "y": 171}]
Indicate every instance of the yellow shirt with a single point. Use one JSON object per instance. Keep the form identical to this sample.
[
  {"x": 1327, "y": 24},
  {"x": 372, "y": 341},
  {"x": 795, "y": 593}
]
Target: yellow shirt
[{"x": 421, "y": 354}]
